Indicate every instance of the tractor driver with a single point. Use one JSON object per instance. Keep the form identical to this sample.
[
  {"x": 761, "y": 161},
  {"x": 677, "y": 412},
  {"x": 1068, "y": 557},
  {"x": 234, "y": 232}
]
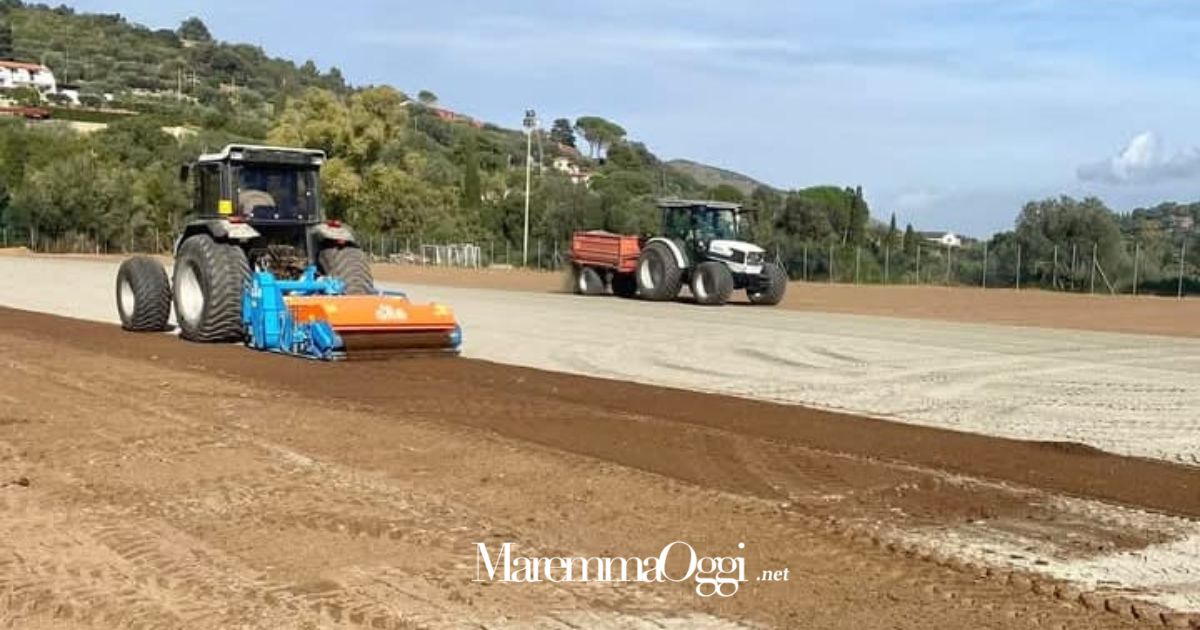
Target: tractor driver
[
  {"x": 713, "y": 225},
  {"x": 252, "y": 193}
]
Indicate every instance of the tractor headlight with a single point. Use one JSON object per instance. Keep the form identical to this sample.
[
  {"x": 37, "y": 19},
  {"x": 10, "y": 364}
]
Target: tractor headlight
[{"x": 755, "y": 258}]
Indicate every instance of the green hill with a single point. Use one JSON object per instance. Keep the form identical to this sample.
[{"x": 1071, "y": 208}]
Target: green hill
[
  {"x": 712, "y": 176},
  {"x": 183, "y": 73}
]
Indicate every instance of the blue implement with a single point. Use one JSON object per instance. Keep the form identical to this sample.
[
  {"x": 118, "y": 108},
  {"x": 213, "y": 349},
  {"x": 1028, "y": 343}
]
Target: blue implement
[{"x": 270, "y": 326}]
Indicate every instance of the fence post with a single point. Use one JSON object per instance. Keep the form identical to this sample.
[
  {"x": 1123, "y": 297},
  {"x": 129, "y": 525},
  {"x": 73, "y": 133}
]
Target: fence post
[
  {"x": 1018, "y": 266},
  {"x": 918, "y": 280},
  {"x": 887, "y": 263},
  {"x": 1092, "y": 288},
  {"x": 831, "y": 263},
  {"x": 1054, "y": 272},
  {"x": 539, "y": 258},
  {"x": 985, "y": 254},
  {"x": 949, "y": 260},
  {"x": 1182, "y": 258},
  {"x": 1073, "y": 248},
  {"x": 805, "y": 272},
  {"x": 1137, "y": 254},
  {"x": 857, "y": 258}
]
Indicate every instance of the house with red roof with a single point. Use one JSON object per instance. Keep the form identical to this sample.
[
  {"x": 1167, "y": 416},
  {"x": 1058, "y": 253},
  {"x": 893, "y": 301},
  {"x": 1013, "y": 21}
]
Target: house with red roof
[{"x": 16, "y": 74}]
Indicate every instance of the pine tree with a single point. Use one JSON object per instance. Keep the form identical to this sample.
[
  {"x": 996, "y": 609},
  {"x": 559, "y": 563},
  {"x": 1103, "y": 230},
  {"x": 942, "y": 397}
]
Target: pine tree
[
  {"x": 562, "y": 133},
  {"x": 910, "y": 240},
  {"x": 892, "y": 233}
]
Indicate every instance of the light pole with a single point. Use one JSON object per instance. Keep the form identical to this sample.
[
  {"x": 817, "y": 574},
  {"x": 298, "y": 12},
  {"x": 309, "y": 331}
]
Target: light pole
[{"x": 530, "y": 125}]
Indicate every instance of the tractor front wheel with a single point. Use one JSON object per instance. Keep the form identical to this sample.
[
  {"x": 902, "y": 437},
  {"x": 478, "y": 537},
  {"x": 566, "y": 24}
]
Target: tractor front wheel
[
  {"x": 712, "y": 283},
  {"x": 143, "y": 295},
  {"x": 768, "y": 289},
  {"x": 658, "y": 274},
  {"x": 208, "y": 281},
  {"x": 350, "y": 265}
]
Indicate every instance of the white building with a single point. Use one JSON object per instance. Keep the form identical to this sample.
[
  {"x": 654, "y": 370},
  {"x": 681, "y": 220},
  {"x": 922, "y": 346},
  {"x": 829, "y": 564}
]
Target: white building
[
  {"x": 571, "y": 169},
  {"x": 947, "y": 239},
  {"x": 15, "y": 74}
]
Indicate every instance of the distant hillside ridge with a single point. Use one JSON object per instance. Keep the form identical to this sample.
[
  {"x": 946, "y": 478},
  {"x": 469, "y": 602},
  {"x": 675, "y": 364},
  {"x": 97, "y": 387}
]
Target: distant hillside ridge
[{"x": 713, "y": 176}]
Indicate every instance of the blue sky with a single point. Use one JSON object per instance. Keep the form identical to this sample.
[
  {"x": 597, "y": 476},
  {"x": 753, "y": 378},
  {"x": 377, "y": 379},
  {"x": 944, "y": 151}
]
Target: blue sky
[{"x": 950, "y": 113}]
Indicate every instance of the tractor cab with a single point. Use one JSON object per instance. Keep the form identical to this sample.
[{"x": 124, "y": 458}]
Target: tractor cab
[
  {"x": 701, "y": 221},
  {"x": 711, "y": 230},
  {"x": 258, "y": 185}
]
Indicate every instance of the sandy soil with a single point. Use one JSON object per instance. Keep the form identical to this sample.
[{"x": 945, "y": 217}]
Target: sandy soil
[
  {"x": 1126, "y": 314},
  {"x": 147, "y": 482}
]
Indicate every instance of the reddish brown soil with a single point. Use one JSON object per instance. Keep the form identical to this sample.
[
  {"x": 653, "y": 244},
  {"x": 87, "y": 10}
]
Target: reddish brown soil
[
  {"x": 1127, "y": 314},
  {"x": 146, "y": 479}
]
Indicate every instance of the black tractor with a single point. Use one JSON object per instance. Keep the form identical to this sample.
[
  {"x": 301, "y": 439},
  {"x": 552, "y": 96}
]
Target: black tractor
[{"x": 254, "y": 207}]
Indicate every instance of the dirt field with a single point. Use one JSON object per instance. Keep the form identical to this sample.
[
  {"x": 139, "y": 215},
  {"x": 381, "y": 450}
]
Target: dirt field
[
  {"x": 1130, "y": 394},
  {"x": 1126, "y": 314},
  {"x": 147, "y": 482}
]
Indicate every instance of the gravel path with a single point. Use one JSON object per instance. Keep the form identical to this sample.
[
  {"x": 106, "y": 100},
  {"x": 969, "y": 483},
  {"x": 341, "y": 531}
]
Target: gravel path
[{"x": 1128, "y": 394}]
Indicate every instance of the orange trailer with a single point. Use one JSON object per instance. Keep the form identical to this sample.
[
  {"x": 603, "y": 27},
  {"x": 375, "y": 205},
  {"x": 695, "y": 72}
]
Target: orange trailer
[{"x": 602, "y": 259}]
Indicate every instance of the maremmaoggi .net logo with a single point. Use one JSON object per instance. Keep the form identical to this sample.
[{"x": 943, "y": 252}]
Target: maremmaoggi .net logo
[{"x": 676, "y": 562}]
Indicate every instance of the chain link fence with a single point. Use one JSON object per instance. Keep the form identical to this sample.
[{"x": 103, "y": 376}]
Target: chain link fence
[{"x": 1125, "y": 267}]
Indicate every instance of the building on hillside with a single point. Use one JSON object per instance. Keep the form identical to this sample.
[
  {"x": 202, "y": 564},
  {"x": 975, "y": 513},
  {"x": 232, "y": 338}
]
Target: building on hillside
[
  {"x": 17, "y": 74},
  {"x": 1183, "y": 222},
  {"x": 569, "y": 168},
  {"x": 946, "y": 239}
]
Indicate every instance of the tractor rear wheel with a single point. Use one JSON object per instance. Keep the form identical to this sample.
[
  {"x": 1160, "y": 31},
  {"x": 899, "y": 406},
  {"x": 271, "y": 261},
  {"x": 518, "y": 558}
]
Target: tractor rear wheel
[
  {"x": 588, "y": 281},
  {"x": 712, "y": 283},
  {"x": 350, "y": 265},
  {"x": 143, "y": 295},
  {"x": 624, "y": 285},
  {"x": 658, "y": 274},
  {"x": 209, "y": 280},
  {"x": 768, "y": 289}
]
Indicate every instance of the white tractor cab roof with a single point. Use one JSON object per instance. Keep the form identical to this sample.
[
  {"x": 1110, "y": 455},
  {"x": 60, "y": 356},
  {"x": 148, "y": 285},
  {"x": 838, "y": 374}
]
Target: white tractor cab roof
[{"x": 265, "y": 154}]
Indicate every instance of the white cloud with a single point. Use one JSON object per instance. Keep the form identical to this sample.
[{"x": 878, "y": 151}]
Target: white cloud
[{"x": 1143, "y": 161}]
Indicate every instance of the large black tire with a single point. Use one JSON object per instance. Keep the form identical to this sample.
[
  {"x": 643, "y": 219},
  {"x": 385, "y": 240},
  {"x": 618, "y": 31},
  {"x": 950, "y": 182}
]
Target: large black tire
[
  {"x": 588, "y": 281},
  {"x": 659, "y": 277},
  {"x": 712, "y": 283},
  {"x": 768, "y": 288},
  {"x": 350, "y": 265},
  {"x": 624, "y": 285},
  {"x": 143, "y": 295},
  {"x": 209, "y": 279}
]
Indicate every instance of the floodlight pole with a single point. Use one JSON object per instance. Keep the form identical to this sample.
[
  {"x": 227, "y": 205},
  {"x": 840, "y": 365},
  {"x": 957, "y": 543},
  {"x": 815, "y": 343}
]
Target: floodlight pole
[{"x": 530, "y": 124}]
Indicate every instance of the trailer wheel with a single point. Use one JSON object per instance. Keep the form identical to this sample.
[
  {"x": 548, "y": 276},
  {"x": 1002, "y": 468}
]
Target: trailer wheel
[
  {"x": 712, "y": 283},
  {"x": 143, "y": 295},
  {"x": 658, "y": 275},
  {"x": 350, "y": 265},
  {"x": 624, "y": 285},
  {"x": 209, "y": 280},
  {"x": 768, "y": 288},
  {"x": 588, "y": 281}
]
